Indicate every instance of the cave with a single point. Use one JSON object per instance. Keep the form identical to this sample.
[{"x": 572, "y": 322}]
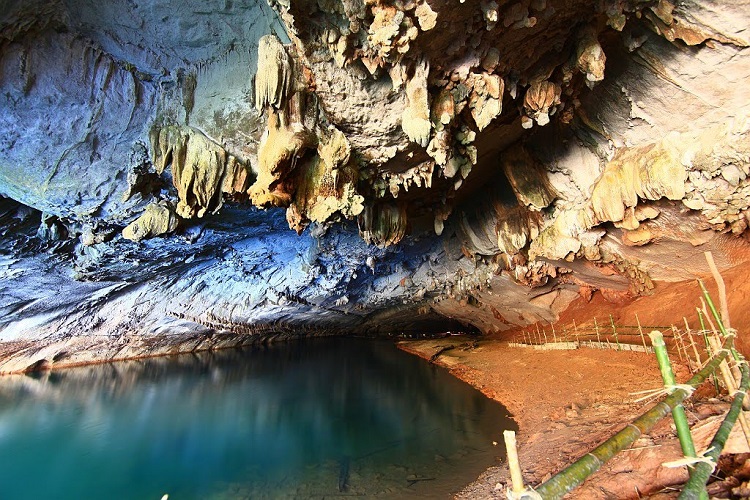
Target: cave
[{"x": 181, "y": 177}]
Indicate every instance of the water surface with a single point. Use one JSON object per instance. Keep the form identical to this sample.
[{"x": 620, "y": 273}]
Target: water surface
[{"x": 321, "y": 418}]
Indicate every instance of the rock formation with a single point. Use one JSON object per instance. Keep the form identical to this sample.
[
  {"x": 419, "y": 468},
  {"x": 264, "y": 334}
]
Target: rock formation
[{"x": 483, "y": 161}]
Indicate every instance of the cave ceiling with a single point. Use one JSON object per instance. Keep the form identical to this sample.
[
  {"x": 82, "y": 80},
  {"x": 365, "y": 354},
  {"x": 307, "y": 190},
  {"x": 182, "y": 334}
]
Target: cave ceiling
[{"x": 172, "y": 171}]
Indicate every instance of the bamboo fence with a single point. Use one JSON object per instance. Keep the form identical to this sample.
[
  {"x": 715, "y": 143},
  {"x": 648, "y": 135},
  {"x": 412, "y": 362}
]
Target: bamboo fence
[
  {"x": 575, "y": 474},
  {"x": 735, "y": 374}
]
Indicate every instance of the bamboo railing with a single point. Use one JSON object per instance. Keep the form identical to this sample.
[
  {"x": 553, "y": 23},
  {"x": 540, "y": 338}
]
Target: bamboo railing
[
  {"x": 575, "y": 474},
  {"x": 695, "y": 488},
  {"x": 700, "y": 467}
]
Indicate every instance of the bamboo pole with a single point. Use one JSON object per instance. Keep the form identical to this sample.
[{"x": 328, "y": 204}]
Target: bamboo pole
[
  {"x": 640, "y": 331},
  {"x": 703, "y": 328},
  {"x": 692, "y": 342},
  {"x": 723, "y": 321},
  {"x": 554, "y": 334},
  {"x": 722, "y": 289},
  {"x": 715, "y": 314},
  {"x": 726, "y": 374},
  {"x": 596, "y": 325},
  {"x": 702, "y": 471},
  {"x": 515, "y": 468},
  {"x": 678, "y": 342},
  {"x": 614, "y": 330},
  {"x": 731, "y": 383},
  {"x": 709, "y": 350},
  {"x": 678, "y": 412},
  {"x": 684, "y": 345},
  {"x": 576, "y": 473},
  {"x": 725, "y": 333}
]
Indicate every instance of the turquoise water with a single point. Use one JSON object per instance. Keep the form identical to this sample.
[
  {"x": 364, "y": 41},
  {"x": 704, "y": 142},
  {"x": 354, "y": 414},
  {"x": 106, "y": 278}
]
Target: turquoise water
[{"x": 304, "y": 419}]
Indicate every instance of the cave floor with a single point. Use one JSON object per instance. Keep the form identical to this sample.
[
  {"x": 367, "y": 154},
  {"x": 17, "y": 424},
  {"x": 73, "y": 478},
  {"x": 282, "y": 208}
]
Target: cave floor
[{"x": 566, "y": 403}]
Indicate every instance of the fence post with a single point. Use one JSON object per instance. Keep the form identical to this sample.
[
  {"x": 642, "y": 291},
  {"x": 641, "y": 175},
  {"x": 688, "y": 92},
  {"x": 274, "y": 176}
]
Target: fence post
[
  {"x": 640, "y": 330},
  {"x": 678, "y": 412},
  {"x": 515, "y": 468},
  {"x": 614, "y": 330},
  {"x": 596, "y": 326}
]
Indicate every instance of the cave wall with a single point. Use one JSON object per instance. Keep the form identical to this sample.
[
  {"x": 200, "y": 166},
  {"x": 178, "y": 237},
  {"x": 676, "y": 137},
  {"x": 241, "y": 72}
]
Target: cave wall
[{"x": 488, "y": 163}]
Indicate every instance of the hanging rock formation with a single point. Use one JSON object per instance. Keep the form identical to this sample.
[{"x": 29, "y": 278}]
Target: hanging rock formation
[
  {"x": 484, "y": 161},
  {"x": 202, "y": 171}
]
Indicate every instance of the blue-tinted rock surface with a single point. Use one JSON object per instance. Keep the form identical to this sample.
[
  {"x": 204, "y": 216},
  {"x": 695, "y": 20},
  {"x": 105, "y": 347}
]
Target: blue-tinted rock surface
[{"x": 570, "y": 147}]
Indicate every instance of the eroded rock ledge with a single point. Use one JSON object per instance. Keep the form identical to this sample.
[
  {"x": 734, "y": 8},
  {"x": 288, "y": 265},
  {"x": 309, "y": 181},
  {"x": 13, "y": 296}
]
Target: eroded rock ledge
[{"x": 484, "y": 161}]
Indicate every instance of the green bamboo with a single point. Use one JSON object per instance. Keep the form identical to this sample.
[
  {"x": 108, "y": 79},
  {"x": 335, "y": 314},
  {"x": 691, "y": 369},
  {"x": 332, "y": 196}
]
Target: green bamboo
[
  {"x": 703, "y": 325},
  {"x": 678, "y": 412},
  {"x": 596, "y": 325},
  {"x": 709, "y": 351},
  {"x": 576, "y": 473},
  {"x": 513, "y": 463},
  {"x": 703, "y": 470},
  {"x": 717, "y": 317},
  {"x": 735, "y": 353},
  {"x": 640, "y": 332}
]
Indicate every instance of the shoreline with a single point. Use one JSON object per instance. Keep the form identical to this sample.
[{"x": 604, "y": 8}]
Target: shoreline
[{"x": 565, "y": 403}]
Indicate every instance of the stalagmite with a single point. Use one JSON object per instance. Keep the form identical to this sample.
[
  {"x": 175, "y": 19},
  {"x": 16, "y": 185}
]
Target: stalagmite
[{"x": 156, "y": 220}]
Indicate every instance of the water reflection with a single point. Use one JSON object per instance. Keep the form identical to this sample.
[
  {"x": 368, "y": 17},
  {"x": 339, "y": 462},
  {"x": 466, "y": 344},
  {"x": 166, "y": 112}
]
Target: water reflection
[{"x": 314, "y": 418}]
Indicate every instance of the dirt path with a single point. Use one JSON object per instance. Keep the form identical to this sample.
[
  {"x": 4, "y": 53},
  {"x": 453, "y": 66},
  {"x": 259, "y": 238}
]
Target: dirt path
[{"x": 566, "y": 403}]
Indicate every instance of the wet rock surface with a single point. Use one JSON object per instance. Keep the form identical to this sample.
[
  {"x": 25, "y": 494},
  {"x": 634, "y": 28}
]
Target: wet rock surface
[{"x": 477, "y": 166}]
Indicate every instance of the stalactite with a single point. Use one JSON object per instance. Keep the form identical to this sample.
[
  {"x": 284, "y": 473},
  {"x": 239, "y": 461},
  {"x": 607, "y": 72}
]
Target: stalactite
[
  {"x": 383, "y": 224},
  {"x": 202, "y": 171},
  {"x": 416, "y": 117},
  {"x": 273, "y": 79}
]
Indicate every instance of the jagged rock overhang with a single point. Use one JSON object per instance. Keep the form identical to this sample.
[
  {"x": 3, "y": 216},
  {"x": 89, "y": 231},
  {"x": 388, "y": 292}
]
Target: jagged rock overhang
[{"x": 589, "y": 198}]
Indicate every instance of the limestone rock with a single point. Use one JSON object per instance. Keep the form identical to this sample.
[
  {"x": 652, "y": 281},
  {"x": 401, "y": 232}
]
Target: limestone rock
[
  {"x": 561, "y": 238},
  {"x": 156, "y": 220},
  {"x": 443, "y": 110},
  {"x": 416, "y": 117},
  {"x": 637, "y": 237},
  {"x": 490, "y": 12},
  {"x": 279, "y": 150},
  {"x": 591, "y": 60},
  {"x": 528, "y": 178},
  {"x": 385, "y": 28},
  {"x": 426, "y": 17},
  {"x": 486, "y": 101},
  {"x": 274, "y": 76},
  {"x": 327, "y": 185},
  {"x": 383, "y": 224},
  {"x": 388, "y": 112},
  {"x": 202, "y": 171},
  {"x": 651, "y": 172},
  {"x": 539, "y": 102}
]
